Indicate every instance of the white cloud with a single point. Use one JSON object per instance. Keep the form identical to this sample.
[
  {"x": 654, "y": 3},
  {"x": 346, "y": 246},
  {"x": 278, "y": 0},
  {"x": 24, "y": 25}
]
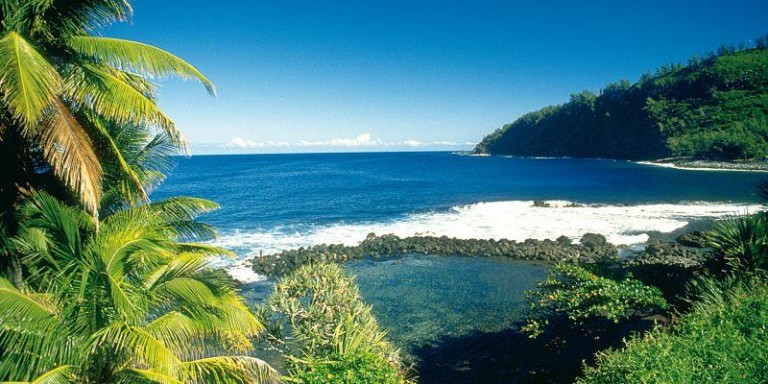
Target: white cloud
[
  {"x": 241, "y": 143},
  {"x": 414, "y": 143},
  {"x": 360, "y": 141}
]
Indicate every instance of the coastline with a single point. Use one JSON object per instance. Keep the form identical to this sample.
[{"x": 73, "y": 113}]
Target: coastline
[{"x": 707, "y": 165}]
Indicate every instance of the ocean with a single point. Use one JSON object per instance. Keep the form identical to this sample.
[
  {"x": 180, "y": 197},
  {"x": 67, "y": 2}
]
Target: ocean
[{"x": 275, "y": 202}]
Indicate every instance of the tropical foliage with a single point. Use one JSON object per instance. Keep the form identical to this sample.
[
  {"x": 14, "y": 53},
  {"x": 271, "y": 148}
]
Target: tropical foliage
[
  {"x": 122, "y": 298},
  {"x": 724, "y": 340},
  {"x": 724, "y": 337},
  {"x": 741, "y": 244},
  {"x": 61, "y": 87},
  {"x": 574, "y": 293},
  {"x": 130, "y": 302},
  {"x": 713, "y": 108},
  {"x": 331, "y": 333}
]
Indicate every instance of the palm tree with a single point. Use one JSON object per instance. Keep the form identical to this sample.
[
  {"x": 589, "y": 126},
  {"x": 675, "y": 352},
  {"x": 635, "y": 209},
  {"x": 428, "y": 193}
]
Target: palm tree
[
  {"x": 131, "y": 302},
  {"x": 144, "y": 161},
  {"x": 60, "y": 86}
]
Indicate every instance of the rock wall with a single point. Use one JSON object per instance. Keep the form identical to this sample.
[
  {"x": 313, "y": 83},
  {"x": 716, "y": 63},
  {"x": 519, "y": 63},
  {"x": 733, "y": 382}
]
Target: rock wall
[{"x": 590, "y": 248}]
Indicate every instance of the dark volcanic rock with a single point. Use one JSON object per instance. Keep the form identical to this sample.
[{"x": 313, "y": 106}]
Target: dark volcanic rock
[
  {"x": 593, "y": 240},
  {"x": 692, "y": 239},
  {"x": 594, "y": 248}
]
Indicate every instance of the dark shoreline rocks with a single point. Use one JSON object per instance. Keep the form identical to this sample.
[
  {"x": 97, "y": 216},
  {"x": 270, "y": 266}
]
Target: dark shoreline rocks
[
  {"x": 691, "y": 164},
  {"x": 591, "y": 248}
]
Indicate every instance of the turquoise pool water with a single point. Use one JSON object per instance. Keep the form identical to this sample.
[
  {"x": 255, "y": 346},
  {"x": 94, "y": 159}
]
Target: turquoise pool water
[{"x": 422, "y": 299}]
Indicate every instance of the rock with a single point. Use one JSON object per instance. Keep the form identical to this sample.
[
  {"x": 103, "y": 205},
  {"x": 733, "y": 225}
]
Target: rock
[
  {"x": 692, "y": 239},
  {"x": 593, "y": 247},
  {"x": 593, "y": 240}
]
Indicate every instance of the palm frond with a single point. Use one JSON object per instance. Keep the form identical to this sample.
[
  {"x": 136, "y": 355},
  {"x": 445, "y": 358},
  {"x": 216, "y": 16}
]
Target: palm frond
[
  {"x": 144, "y": 376},
  {"x": 194, "y": 294},
  {"x": 137, "y": 342},
  {"x": 180, "y": 333},
  {"x": 231, "y": 369},
  {"x": 28, "y": 82},
  {"x": 183, "y": 208},
  {"x": 204, "y": 249},
  {"x": 141, "y": 58},
  {"x": 60, "y": 375},
  {"x": 71, "y": 17},
  {"x": 68, "y": 148},
  {"x": 28, "y": 333},
  {"x": 124, "y": 179},
  {"x": 179, "y": 213},
  {"x": 107, "y": 93},
  {"x": 62, "y": 224}
]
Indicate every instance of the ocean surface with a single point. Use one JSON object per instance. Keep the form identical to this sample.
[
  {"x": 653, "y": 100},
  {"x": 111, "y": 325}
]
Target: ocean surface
[{"x": 275, "y": 202}]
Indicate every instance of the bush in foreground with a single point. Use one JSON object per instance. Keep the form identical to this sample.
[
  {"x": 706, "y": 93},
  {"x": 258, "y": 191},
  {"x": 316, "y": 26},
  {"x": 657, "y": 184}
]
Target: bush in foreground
[
  {"x": 724, "y": 340},
  {"x": 332, "y": 335}
]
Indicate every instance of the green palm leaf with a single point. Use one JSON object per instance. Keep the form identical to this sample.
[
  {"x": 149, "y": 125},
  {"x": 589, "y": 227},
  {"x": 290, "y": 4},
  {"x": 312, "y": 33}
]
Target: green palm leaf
[
  {"x": 136, "y": 192},
  {"x": 144, "y": 376},
  {"x": 140, "y": 344},
  {"x": 138, "y": 57},
  {"x": 28, "y": 82},
  {"x": 59, "y": 375},
  {"x": 109, "y": 95},
  {"x": 231, "y": 369}
]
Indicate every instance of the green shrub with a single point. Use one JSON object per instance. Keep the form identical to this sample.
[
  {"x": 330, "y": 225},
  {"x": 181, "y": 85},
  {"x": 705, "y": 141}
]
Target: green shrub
[
  {"x": 724, "y": 340},
  {"x": 367, "y": 368},
  {"x": 332, "y": 333},
  {"x": 572, "y": 292}
]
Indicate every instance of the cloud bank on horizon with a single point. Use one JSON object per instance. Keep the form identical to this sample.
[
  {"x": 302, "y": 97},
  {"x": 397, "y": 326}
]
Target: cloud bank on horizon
[{"x": 363, "y": 141}]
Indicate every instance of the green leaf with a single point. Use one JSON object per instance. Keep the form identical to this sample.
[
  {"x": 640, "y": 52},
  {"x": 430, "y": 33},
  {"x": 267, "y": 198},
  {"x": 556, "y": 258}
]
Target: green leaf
[
  {"x": 28, "y": 82},
  {"x": 138, "y": 57}
]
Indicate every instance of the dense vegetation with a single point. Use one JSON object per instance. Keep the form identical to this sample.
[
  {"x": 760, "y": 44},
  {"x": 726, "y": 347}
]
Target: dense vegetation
[
  {"x": 97, "y": 283},
  {"x": 724, "y": 340},
  {"x": 722, "y": 308},
  {"x": 713, "y": 108}
]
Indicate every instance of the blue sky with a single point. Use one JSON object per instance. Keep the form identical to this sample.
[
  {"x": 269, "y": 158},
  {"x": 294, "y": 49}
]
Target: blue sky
[{"x": 385, "y": 75}]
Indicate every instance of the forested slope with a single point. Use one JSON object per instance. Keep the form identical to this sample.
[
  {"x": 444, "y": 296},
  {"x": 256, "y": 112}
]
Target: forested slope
[{"x": 713, "y": 108}]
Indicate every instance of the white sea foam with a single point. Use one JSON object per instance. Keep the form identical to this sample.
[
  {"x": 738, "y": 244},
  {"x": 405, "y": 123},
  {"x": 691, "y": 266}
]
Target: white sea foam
[{"x": 515, "y": 220}]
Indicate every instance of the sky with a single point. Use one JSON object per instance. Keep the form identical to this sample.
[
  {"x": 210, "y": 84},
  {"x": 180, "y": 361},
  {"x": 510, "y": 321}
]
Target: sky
[{"x": 393, "y": 75}]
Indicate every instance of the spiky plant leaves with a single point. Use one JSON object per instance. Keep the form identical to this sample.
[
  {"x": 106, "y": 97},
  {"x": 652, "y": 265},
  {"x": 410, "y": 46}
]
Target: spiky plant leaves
[{"x": 741, "y": 242}]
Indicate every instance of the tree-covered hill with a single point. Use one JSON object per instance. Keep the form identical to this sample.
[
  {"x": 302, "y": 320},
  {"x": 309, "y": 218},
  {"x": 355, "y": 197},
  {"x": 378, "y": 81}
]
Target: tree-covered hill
[{"x": 713, "y": 108}]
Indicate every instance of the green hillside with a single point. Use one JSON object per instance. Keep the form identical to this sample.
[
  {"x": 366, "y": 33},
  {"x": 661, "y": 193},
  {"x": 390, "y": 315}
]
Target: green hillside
[{"x": 713, "y": 108}]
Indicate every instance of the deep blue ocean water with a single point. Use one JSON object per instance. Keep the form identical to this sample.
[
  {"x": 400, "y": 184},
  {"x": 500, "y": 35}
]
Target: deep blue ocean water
[{"x": 267, "y": 191}]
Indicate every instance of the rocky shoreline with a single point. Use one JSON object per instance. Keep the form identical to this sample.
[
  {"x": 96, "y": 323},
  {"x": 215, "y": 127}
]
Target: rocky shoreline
[
  {"x": 710, "y": 165},
  {"x": 687, "y": 252}
]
